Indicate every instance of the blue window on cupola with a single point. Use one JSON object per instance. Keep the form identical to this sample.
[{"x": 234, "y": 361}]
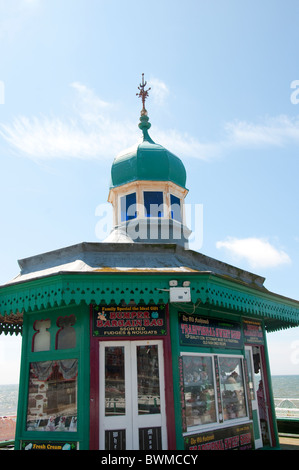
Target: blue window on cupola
[
  {"x": 128, "y": 207},
  {"x": 153, "y": 203},
  {"x": 175, "y": 208}
]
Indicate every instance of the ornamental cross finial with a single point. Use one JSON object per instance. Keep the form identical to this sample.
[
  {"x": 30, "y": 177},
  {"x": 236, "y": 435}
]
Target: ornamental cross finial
[{"x": 143, "y": 94}]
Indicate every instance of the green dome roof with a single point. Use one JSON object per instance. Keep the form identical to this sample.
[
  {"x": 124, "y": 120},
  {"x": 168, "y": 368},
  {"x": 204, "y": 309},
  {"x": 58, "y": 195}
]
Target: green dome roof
[{"x": 147, "y": 161}]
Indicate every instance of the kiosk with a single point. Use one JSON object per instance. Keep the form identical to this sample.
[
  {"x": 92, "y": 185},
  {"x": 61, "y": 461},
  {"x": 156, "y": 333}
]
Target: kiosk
[{"x": 138, "y": 342}]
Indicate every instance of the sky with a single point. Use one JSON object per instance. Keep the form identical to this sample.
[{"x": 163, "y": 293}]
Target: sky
[{"x": 224, "y": 78}]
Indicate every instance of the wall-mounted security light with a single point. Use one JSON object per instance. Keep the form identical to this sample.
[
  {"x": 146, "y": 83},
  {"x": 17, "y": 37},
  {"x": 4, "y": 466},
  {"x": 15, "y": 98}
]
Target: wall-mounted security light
[
  {"x": 186, "y": 283},
  {"x": 173, "y": 283}
]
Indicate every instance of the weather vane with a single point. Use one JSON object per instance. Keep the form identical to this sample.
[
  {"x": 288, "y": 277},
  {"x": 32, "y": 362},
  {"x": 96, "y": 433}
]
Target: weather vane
[{"x": 143, "y": 94}]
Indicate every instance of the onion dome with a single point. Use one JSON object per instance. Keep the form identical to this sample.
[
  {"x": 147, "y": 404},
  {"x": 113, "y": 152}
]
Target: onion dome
[{"x": 147, "y": 161}]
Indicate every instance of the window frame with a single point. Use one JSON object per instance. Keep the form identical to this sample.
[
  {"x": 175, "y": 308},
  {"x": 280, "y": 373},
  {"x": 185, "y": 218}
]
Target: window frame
[
  {"x": 52, "y": 422},
  {"x": 220, "y": 422},
  {"x": 150, "y": 215},
  {"x": 171, "y": 210},
  {"x": 123, "y": 197}
]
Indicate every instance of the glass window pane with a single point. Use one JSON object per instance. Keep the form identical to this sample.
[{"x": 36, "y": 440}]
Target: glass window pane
[
  {"x": 153, "y": 203},
  {"x": 250, "y": 374},
  {"x": 52, "y": 397},
  {"x": 41, "y": 340},
  {"x": 175, "y": 208},
  {"x": 128, "y": 207},
  {"x": 232, "y": 388},
  {"x": 199, "y": 390},
  {"x": 148, "y": 380},
  {"x": 66, "y": 336},
  {"x": 115, "y": 381}
]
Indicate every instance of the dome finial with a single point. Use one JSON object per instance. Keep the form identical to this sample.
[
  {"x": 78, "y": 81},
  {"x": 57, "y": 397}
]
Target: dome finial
[
  {"x": 143, "y": 94},
  {"x": 144, "y": 123}
]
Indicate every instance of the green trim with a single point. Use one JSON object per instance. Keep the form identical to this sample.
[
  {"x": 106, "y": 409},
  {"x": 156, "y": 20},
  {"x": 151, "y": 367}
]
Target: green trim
[
  {"x": 271, "y": 395},
  {"x": 206, "y": 289},
  {"x": 175, "y": 353},
  {"x": 177, "y": 349},
  {"x": 256, "y": 428},
  {"x": 80, "y": 352},
  {"x": 11, "y": 329}
]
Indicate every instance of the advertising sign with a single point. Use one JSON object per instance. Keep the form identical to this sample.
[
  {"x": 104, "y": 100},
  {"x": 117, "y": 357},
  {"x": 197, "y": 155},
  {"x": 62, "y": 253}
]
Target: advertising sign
[
  {"x": 195, "y": 330},
  {"x": 235, "y": 438},
  {"x": 253, "y": 332},
  {"x": 131, "y": 320},
  {"x": 48, "y": 445}
]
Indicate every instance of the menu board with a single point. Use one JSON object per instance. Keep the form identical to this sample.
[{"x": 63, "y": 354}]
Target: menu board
[
  {"x": 195, "y": 330},
  {"x": 130, "y": 320}
]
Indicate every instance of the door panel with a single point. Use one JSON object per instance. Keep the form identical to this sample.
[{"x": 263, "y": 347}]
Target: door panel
[{"x": 132, "y": 402}]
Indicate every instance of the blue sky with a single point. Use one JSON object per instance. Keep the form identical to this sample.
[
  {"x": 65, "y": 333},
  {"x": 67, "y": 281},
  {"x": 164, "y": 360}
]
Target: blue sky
[{"x": 221, "y": 74}]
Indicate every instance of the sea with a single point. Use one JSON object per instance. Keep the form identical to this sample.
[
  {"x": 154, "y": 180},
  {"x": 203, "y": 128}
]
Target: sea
[
  {"x": 9, "y": 399},
  {"x": 284, "y": 387}
]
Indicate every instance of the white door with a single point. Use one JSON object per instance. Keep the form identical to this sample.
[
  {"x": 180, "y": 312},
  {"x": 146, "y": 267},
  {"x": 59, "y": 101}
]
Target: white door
[{"x": 132, "y": 399}]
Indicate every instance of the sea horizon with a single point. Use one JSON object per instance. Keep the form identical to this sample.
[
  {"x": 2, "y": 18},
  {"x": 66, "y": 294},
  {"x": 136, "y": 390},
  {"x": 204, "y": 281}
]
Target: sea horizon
[{"x": 284, "y": 386}]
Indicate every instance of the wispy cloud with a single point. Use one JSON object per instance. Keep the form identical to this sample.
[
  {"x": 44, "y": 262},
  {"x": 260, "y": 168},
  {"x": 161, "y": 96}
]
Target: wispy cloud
[
  {"x": 258, "y": 252},
  {"x": 92, "y": 132},
  {"x": 89, "y": 132},
  {"x": 159, "y": 90},
  {"x": 271, "y": 131}
]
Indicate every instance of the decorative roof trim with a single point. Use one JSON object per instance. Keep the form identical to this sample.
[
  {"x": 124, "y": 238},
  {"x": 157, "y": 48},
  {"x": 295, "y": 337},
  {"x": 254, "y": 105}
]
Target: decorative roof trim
[{"x": 207, "y": 289}]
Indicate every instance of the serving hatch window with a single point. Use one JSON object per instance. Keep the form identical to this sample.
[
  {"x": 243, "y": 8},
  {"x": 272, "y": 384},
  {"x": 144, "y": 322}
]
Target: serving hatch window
[
  {"x": 232, "y": 388},
  {"x": 199, "y": 389},
  {"x": 213, "y": 389}
]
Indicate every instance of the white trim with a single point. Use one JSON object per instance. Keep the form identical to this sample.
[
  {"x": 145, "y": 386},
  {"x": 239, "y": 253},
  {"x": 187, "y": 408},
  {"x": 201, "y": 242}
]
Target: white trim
[{"x": 138, "y": 187}]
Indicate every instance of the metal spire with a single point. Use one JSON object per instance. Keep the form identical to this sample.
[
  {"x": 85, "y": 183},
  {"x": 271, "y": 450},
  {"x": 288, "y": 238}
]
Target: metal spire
[{"x": 143, "y": 94}]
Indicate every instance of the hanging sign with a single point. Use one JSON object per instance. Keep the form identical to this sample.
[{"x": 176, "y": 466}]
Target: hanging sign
[
  {"x": 253, "y": 332},
  {"x": 131, "y": 320},
  {"x": 235, "y": 438},
  {"x": 195, "y": 330}
]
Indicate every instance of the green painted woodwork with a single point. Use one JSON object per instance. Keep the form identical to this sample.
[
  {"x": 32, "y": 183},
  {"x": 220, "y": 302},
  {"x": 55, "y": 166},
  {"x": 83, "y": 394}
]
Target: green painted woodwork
[
  {"x": 10, "y": 328},
  {"x": 177, "y": 349},
  {"x": 271, "y": 394},
  {"x": 147, "y": 161},
  {"x": 256, "y": 429},
  {"x": 80, "y": 352},
  {"x": 206, "y": 289}
]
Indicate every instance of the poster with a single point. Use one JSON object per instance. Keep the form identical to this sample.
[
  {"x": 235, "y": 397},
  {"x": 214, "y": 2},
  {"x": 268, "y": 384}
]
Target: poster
[
  {"x": 195, "y": 330},
  {"x": 131, "y": 320},
  {"x": 253, "y": 332}
]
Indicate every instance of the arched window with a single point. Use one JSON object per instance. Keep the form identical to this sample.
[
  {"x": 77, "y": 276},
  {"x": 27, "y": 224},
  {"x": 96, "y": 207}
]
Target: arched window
[
  {"x": 42, "y": 337},
  {"x": 66, "y": 336}
]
